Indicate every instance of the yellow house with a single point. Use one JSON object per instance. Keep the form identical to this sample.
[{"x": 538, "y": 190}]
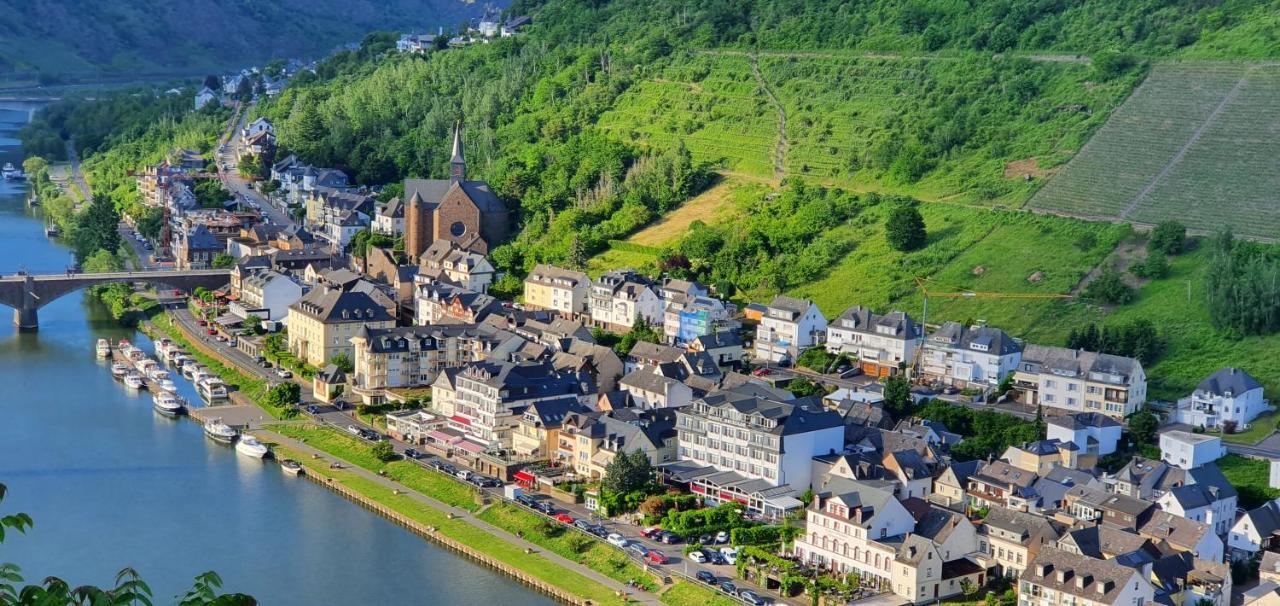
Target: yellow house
[
  {"x": 323, "y": 321},
  {"x": 537, "y": 433},
  {"x": 562, "y": 290}
]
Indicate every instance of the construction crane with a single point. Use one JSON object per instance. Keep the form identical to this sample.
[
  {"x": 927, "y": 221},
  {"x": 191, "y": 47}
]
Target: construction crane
[{"x": 965, "y": 294}]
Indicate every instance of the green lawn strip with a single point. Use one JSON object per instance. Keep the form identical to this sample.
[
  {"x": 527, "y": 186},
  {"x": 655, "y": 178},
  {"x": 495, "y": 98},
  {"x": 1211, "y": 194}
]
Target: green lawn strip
[
  {"x": 568, "y": 543},
  {"x": 690, "y": 594},
  {"x": 1250, "y": 477},
  {"x": 460, "y": 530},
  {"x": 251, "y": 388},
  {"x": 426, "y": 481},
  {"x": 1259, "y": 428}
]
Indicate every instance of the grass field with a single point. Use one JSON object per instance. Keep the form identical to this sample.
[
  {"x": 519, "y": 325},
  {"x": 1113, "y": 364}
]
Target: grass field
[
  {"x": 1251, "y": 479},
  {"x": 1196, "y": 142},
  {"x": 709, "y": 207}
]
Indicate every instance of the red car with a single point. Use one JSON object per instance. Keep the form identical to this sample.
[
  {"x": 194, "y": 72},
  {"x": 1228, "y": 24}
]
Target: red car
[
  {"x": 760, "y": 372},
  {"x": 656, "y": 557},
  {"x": 211, "y": 331},
  {"x": 203, "y": 322},
  {"x": 564, "y": 518}
]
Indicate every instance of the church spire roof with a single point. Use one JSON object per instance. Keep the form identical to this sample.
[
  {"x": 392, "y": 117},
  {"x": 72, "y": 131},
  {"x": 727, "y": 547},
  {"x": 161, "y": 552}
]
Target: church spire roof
[{"x": 457, "y": 165}]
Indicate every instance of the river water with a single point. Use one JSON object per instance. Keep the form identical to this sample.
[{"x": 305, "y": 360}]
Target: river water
[{"x": 112, "y": 484}]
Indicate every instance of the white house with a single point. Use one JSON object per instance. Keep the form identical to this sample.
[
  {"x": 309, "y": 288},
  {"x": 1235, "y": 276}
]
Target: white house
[
  {"x": 619, "y": 297},
  {"x": 1075, "y": 380},
  {"x": 268, "y": 295},
  {"x": 1231, "y": 397},
  {"x": 389, "y": 218},
  {"x": 255, "y": 128},
  {"x": 1190, "y": 450},
  {"x": 205, "y": 97},
  {"x": 1191, "y": 501},
  {"x": 651, "y": 389},
  {"x": 1275, "y": 475},
  {"x": 1257, "y": 530},
  {"x": 1092, "y": 432},
  {"x": 879, "y": 343},
  {"x": 788, "y": 327},
  {"x": 969, "y": 356}
]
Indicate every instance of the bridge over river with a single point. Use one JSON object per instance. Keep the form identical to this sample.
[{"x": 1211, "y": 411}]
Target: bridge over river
[{"x": 27, "y": 293}]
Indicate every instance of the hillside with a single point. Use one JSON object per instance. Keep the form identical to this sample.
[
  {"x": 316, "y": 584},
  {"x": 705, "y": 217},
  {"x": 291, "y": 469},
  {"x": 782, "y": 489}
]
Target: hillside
[{"x": 139, "y": 37}]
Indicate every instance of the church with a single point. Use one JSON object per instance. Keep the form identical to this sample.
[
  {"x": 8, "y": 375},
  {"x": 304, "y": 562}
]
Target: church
[{"x": 464, "y": 212}]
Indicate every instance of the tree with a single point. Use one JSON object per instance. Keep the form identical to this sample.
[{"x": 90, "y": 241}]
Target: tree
[
  {"x": 253, "y": 324},
  {"x": 213, "y": 82},
  {"x": 897, "y": 397},
  {"x": 223, "y": 261},
  {"x": 210, "y": 193},
  {"x": 384, "y": 451},
  {"x": 1109, "y": 288},
  {"x": 1155, "y": 267},
  {"x": 1143, "y": 426},
  {"x": 101, "y": 261},
  {"x": 640, "y": 331},
  {"x": 343, "y": 361},
  {"x": 904, "y": 228},
  {"x": 802, "y": 387},
  {"x": 1108, "y": 64},
  {"x": 283, "y": 395},
  {"x": 577, "y": 253},
  {"x": 627, "y": 472},
  {"x": 96, "y": 228},
  {"x": 1169, "y": 237}
]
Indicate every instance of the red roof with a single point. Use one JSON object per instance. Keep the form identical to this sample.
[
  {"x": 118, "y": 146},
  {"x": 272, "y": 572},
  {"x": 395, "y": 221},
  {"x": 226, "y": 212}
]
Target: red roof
[
  {"x": 524, "y": 476},
  {"x": 460, "y": 419}
]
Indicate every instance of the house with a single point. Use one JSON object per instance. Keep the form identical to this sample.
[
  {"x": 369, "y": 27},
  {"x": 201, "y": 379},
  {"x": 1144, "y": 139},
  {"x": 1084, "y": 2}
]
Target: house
[
  {"x": 205, "y": 97},
  {"x": 1041, "y": 456},
  {"x": 950, "y": 486},
  {"x": 974, "y": 357},
  {"x": 412, "y": 426},
  {"x": 1088, "y": 503},
  {"x": 723, "y": 347},
  {"x": 413, "y": 356},
  {"x": 590, "y": 441},
  {"x": 563, "y": 290},
  {"x": 484, "y": 400},
  {"x": 620, "y": 297},
  {"x": 1181, "y": 534},
  {"x": 1150, "y": 479},
  {"x": 1000, "y": 484},
  {"x": 1013, "y": 539},
  {"x": 788, "y": 327},
  {"x": 268, "y": 294},
  {"x": 648, "y": 355},
  {"x": 757, "y": 437},
  {"x": 416, "y": 43},
  {"x": 537, "y": 434},
  {"x": 1062, "y": 578},
  {"x": 1190, "y": 501},
  {"x": 329, "y": 383},
  {"x": 1229, "y": 400},
  {"x": 1094, "y": 433},
  {"x": 514, "y": 24},
  {"x": 1080, "y": 381},
  {"x": 255, "y": 128},
  {"x": 342, "y": 228},
  {"x": 467, "y": 212},
  {"x": 1257, "y": 530},
  {"x": 195, "y": 248},
  {"x": 650, "y": 388},
  {"x": 323, "y": 321},
  {"x": 444, "y": 260},
  {"x": 1190, "y": 450},
  {"x": 388, "y": 219},
  {"x": 440, "y": 302},
  {"x": 881, "y": 345}
]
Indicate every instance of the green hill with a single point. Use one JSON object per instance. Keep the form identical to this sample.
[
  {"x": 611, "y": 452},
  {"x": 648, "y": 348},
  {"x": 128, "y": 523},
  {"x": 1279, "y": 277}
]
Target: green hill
[{"x": 137, "y": 37}]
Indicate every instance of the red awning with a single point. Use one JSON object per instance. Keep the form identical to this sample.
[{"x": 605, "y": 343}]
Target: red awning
[
  {"x": 524, "y": 476},
  {"x": 460, "y": 419}
]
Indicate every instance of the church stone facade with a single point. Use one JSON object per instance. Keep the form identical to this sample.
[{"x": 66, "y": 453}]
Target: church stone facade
[{"x": 464, "y": 212}]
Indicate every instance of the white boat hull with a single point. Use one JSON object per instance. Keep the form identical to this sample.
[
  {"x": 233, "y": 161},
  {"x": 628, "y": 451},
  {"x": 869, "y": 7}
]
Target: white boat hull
[{"x": 253, "y": 451}]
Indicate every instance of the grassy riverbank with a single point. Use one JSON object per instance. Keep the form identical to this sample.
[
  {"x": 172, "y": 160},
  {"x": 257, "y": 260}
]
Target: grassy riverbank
[{"x": 460, "y": 530}]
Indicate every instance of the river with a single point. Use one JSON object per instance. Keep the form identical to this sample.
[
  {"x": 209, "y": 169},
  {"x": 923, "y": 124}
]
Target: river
[{"x": 112, "y": 484}]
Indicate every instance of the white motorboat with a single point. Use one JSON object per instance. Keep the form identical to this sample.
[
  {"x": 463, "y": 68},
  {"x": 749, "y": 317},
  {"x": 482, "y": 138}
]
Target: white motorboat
[
  {"x": 133, "y": 354},
  {"x": 165, "y": 385},
  {"x": 167, "y": 404},
  {"x": 119, "y": 369},
  {"x": 212, "y": 388},
  {"x": 104, "y": 348},
  {"x": 12, "y": 173},
  {"x": 146, "y": 366},
  {"x": 189, "y": 370},
  {"x": 201, "y": 373},
  {"x": 249, "y": 446},
  {"x": 172, "y": 356},
  {"x": 123, "y": 345},
  {"x": 181, "y": 360},
  {"x": 162, "y": 347},
  {"x": 218, "y": 431},
  {"x": 291, "y": 467},
  {"x": 133, "y": 380}
]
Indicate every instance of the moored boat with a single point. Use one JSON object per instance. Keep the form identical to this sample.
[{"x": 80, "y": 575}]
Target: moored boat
[
  {"x": 249, "y": 446},
  {"x": 167, "y": 404},
  {"x": 119, "y": 369},
  {"x": 189, "y": 370},
  {"x": 133, "y": 380},
  {"x": 12, "y": 173},
  {"x": 104, "y": 348},
  {"x": 211, "y": 388},
  {"x": 218, "y": 431},
  {"x": 291, "y": 467}
]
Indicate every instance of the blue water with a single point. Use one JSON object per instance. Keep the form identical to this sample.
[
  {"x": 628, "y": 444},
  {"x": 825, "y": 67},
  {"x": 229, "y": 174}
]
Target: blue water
[{"x": 112, "y": 484}]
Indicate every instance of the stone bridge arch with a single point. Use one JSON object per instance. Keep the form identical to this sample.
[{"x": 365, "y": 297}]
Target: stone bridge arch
[{"x": 26, "y": 294}]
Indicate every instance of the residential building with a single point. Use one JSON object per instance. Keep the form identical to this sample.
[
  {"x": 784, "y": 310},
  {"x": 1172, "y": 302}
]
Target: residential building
[
  {"x": 1061, "y": 578},
  {"x": 416, "y": 43},
  {"x": 195, "y": 248},
  {"x": 589, "y": 441},
  {"x": 537, "y": 433},
  {"x": 1181, "y": 534},
  {"x": 758, "y": 437},
  {"x": 788, "y": 327},
  {"x": 723, "y": 347},
  {"x": 976, "y": 357},
  {"x": 412, "y": 426},
  {"x": 651, "y": 388},
  {"x": 388, "y": 219},
  {"x": 1000, "y": 484},
  {"x": 467, "y": 212},
  {"x": 950, "y": 486},
  {"x": 562, "y": 290},
  {"x": 1013, "y": 539},
  {"x": 1094, "y": 433},
  {"x": 484, "y": 400},
  {"x": 1190, "y": 450},
  {"x": 413, "y": 356},
  {"x": 1257, "y": 530},
  {"x": 620, "y": 297},
  {"x": 1041, "y": 456},
  {"x": 205, "y": 97},
  {"x": 1151, "y": 479},
  {"x": 1080, "y": 381},
  {"x": 268, "y": 294},
  {"x": 881, "y": 344},
  {"x": 444, "y": 260},
  {"x": 323, "y": 321},
  {"x": 1229, "y": 399}
]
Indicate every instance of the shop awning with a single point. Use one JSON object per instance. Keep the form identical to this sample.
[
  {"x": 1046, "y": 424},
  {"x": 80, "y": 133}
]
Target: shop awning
[
  {"x": 461, "y": 420},
  {"x": 524, "y": 476}
]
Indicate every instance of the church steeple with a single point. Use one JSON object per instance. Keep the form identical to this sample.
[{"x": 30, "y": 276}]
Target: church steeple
[{"x": 457, "y": 166}]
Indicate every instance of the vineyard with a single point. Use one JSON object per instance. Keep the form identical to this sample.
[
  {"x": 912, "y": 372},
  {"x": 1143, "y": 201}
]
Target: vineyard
[{"x": 1196, "y": 142}]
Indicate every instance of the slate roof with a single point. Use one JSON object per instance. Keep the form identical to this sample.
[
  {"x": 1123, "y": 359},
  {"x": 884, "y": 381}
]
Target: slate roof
[
  {"x": 1030, "y": 528},
  {"x": 1175, "y": 530},
  {"x": 331, "y": 305},
  {"x": 718, "y": 340},
  {"x": 862, "y": 319},
  {"x": 1079, "y": 363},
  {"x": 1103, "y": 580},
  {"x": 954, "y": 335},
  {"x": 200, "y": 238},
  {"x": 1228, "y": 382},
  {"x": 549, "y": 414},
  {"x": 1191, "y": 496},
  {"x": 790, "y": 418},
  {"x": 1266, "y": 519},
  {"x": 796, "y": 306},
  {"x": 1081, "y": 420},
  {"x": 430, "y": 192}
]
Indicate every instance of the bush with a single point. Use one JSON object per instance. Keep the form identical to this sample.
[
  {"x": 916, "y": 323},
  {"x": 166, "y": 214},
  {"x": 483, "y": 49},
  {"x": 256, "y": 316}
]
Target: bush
[
  {"x": 904, "y": 228},
  {"x": 763, "y": 535},
  {"x": 1155, "y": 267},
  {"x": 384, "y": 451},
  {"x": 1109, "y": 288},
  {"x": 1168, "y": 237}
]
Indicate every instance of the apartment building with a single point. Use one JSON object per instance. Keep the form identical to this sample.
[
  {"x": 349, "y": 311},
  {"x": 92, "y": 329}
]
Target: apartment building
[
  {"x": 1012, "y": 539},
  {"x": 787, "y": 327},
  {"x": 588, "y": 442},
  {"x": 562, "y": 290},
  {"x": 482, "y": 400},
  {"x": 323, "y": 321},
  {"x": 881, "y": 344},
  {"x": 445, "y": 260},
  {"x": 976, "y": 357},
  {"x": 1061, "y": 578},
  {"x": 619, "y": 297},
  {"x": 412, "y": 356},
  {"x": 1081, "y": 381}
]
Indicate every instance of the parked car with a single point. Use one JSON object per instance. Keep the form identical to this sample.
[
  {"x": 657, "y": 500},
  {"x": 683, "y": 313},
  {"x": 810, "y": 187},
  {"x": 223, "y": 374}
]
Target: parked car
[
  {"x": 706, "y": 539},
  {"x": 656, "y": 557},
  {"x": 202, "y": 322},
  {"x": 617, "y": 540},
  {"x": 650, "y": 532},
  {"x": 729, "y": 588},
  {"x": 312, "y": 409},
  {"x": 564, "y": 518},
  {"x": 638, "y": 549},
  {"x": 438, "y": 464},
  {"x": 599, "y": 531},
  {"x": 463, "y": 475},
  {"x": 730, "y": 555},
  {"x": 722, "y": 537},
  {"x": 750, "y": 597},
  {"x": 670, "y": 538},
  {"x": 284, "y": 373},
  {"x": 260, "y": 360},
  {"x": 354, "y": 429},
  {"x": 545, "y": 507},
  {"x": 412, "y": 453},
  {"x": 525, "y": 500},
  {"x": 715, "y": 557},
  {"x": 706, "y": 577},
  {"x": 698, "y": 556},
  {"x": 210, "y": 331},
  {"x": 582, "y": 524},
  {"x": 232, "y": 342}
]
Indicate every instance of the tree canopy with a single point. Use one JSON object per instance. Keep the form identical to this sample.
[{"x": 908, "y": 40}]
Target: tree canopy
[{"x": 627, "y": 472}]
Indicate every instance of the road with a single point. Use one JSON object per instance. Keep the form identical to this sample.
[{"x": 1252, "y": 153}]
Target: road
[
  {"x": 340, "y": 419},
  {"x": 226, "y": 159}
]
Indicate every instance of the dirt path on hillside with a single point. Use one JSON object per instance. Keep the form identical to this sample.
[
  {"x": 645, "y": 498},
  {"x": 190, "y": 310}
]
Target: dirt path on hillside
[{"x": 780, "y": 149}]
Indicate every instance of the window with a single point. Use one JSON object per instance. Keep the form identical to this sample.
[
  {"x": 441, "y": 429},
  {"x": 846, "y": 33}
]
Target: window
[{"x": 457, "y": 228}]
